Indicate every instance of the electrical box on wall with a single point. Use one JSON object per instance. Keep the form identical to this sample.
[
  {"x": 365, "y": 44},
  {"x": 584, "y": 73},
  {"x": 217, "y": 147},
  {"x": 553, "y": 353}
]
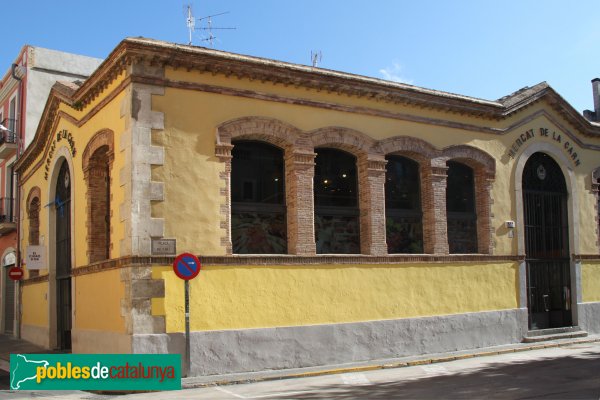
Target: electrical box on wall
[{"x": 510, "y": 224}]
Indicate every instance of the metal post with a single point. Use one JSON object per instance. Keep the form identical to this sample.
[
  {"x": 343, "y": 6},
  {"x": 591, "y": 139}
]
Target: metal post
[{"x": 187, "y": 328}]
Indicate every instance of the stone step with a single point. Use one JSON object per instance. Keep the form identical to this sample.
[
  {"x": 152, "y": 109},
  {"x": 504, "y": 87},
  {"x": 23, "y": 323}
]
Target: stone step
[{"x": 544, "y": 335}]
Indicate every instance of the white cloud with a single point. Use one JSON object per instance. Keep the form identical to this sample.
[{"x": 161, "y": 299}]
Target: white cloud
[{"x": 394, "y": 73}]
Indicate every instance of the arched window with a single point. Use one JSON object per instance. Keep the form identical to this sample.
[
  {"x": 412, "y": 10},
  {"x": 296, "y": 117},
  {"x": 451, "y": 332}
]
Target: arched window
[
  {"x": 404, "y": 229},
  {"x": 34, "y": 228},
  {"x": 258, "y": 220},
  {"x": 336, "y": 203},
  {"x": 460, "y": 209},
  {"x": 98, "y": 179}
]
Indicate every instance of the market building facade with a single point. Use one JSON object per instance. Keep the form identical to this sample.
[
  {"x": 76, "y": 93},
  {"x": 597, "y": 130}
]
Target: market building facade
[
  {"x": 24, "y": 90},
  {"x": 339, "y": 218}
]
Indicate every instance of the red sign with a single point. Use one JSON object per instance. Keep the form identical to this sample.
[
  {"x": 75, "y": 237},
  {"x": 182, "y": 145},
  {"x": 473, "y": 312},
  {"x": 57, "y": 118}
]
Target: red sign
[
  {"x": 15, "y": 273},
  {"x": 186, "y": 266}
]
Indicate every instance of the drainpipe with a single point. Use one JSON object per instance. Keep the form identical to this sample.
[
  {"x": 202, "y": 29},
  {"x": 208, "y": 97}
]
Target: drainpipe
[{"x": 18, "y": 72}]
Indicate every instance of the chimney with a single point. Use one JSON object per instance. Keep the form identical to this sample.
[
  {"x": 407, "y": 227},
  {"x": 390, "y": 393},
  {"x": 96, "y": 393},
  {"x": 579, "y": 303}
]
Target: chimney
[
  {"x": 594, "y": 115},
  {"x": 596, "y": 92}
]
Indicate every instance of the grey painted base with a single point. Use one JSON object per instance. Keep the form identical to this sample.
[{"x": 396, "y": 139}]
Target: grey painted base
[
  {"x": 589, "y": 317},
  {"x": 220, "y": 352}
]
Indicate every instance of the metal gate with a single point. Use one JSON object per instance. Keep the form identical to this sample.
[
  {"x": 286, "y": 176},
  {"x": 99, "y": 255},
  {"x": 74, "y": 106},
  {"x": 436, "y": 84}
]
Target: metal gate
[
  {"x": 62, "y": 205},
  {"x": 546, "y": 243}
]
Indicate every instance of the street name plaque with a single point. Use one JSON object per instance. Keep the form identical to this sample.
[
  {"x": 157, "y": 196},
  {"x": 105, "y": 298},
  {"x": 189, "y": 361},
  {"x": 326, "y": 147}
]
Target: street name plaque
[{"x": 164, "y": 247}]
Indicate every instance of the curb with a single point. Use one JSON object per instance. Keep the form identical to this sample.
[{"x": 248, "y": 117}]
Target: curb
[{"x": 373, "y": 367}]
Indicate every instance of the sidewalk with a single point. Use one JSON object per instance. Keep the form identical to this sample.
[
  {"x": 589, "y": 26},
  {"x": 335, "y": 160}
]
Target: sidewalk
[
  {"x": 232, "y": 379},
  {"x": 10, "y": 345}
]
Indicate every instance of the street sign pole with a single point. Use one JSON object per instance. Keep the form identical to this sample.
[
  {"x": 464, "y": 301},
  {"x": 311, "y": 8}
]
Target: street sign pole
[
  {"x": 187, "y": 328},
  {"x": 187, "y": 266}
]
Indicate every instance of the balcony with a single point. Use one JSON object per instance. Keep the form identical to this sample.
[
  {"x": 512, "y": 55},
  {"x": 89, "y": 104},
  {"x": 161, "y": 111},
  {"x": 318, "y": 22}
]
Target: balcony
[
  {"x": 8, "y": 218},
  {"x": 8, "y": 139}
]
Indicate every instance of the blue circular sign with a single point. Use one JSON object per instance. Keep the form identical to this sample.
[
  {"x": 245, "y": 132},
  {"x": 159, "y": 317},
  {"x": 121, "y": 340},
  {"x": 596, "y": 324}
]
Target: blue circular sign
[{"x": 186, "y": 266}]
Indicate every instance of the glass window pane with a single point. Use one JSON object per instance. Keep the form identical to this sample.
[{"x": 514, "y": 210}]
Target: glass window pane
[
  {"x": 335, "y": 182},
  {"x": 257, "y": 173},
  {"x": 258, "y": 233},
  {"x": 404, "y": 234},
  {"x": 258, "y": 218},
  {"x": 402, "y": 187},
  {"x": 460, "y": 209},
  {"x": 337, "y": 227},
  {"x": 462, "y": 234},
  {"x": 337, "y": 234},
  {"x": 404, "y": 231},
  {"x": 460, "y": 193}
]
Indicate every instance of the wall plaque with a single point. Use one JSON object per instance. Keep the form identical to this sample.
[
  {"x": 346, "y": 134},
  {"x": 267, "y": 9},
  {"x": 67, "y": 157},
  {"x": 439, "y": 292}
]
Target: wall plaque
[{"x": 164, "y": 247}]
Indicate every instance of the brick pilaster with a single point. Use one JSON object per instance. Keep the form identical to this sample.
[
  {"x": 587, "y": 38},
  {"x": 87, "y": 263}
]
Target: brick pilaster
[
  {"x": 299, "y": 174},
  {"x": 433, "y": 202},
  {"x": 371, "y": 182},
  {"x": 223, "y": 153},
  {"x": 483, "y": 208}
]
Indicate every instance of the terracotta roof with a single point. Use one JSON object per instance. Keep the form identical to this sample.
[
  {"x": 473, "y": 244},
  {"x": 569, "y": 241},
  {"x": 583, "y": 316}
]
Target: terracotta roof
[{"x": 156, "y": 52}]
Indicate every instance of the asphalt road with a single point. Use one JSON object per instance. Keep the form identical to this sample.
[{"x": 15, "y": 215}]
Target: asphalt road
[{"x": 571, "y": 372}]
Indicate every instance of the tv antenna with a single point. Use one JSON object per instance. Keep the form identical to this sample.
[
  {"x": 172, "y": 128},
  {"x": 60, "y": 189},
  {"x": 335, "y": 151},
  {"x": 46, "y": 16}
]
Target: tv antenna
[
  {"x": 315, "y": 58},
  {"x": 191, "y": 24}
]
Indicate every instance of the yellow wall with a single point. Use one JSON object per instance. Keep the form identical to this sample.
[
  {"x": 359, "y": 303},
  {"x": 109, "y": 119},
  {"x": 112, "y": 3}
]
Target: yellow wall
[
  {"x": 590, "y": 281},
  {"x": 109, "y": 117},
  {"x": 191, "y": 119},
  {"x": 98, "y": 301},
  {"x": 35, "y": 304},
  {"x": 234, "y": 297}
]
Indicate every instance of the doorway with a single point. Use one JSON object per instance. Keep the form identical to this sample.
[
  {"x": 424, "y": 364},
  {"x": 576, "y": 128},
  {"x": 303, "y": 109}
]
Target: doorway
[
  {"x": 62, "y": 204},
  {"x": 546, "y": 243}
]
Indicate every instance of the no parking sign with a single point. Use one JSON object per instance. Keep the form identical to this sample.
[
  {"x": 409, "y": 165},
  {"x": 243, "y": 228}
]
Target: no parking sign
[{"x": 187, "y": 266}]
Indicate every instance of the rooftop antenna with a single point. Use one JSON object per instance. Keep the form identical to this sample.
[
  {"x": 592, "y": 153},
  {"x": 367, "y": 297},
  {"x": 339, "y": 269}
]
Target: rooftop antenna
[
  {"x": 191, "y": 25},
  {"x": 190, "y": 22},
  {"x": 210, "y": 28},
  {"x": 316, "y": 57}
]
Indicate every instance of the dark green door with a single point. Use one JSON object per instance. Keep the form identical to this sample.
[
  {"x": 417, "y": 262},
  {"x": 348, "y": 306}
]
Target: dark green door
[
  {"x": 62, "y": 206},
  {"x": 546, "y": 243}
]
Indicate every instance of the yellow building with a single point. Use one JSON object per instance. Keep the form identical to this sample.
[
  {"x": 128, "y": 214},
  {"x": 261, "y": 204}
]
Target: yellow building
[{"x": 338, "y": 217}]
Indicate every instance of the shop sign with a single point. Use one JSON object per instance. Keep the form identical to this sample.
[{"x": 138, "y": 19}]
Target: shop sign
[
  {"x": 567, "y": 146},
  {"x": 60, "y": 136},
  {"x": 36, "y": 257}
]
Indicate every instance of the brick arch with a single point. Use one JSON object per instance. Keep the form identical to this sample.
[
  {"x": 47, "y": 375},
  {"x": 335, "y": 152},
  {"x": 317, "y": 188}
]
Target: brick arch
[
  {"x": 104, "y": 137},
  {"x": 484, "y": 171},
  {"x": 299, "y": 166},
  {"x": 471, "y": 156},
  {"x": 432, "y": 178},
  {"x": 34, "y": 200},
  {"x": 347, "y": 139},
  {"x": 33, "y": 193},
  {"x": 270, "y": 130},
  {"x": 97, "y": 166},
  {"x": 410, "y": 146}
]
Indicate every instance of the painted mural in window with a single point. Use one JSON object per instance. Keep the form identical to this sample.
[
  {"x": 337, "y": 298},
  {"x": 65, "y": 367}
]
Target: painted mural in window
[
  {"x": 258, "y": 219},
  {"x": 403, "y": 215},
  {"x": 460, "y": 209},
  {"x": 337, "y": 227}
]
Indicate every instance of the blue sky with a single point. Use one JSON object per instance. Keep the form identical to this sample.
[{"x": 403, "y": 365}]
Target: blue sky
[{"x": 473, "y": 47}]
